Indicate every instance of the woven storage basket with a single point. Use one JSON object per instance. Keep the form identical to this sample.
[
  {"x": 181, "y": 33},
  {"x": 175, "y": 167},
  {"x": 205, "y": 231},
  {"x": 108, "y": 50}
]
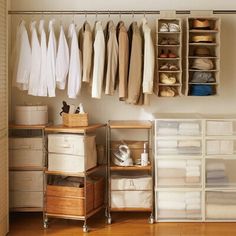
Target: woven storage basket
[{"x": 75, "y": 120}]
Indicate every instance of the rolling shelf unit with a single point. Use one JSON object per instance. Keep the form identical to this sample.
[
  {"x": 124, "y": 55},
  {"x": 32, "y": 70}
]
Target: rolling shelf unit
[
  {"x": 126, "y": 170},
  {"x": 169, "y": 42},
  {"x": 78, "y": 201},
  {"x": 213, "y": 48},
  {"x": 26, "y": 165}
]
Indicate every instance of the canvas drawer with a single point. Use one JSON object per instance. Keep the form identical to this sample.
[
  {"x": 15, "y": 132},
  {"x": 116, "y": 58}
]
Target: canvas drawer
[
  {"x": 25, "y": 158},
  {"x": 68, "y": 200},
  {"x": 131, "y": 199},
  {"x": 70, "y": 163},
  {"x": 34, "y": 143},
  {"x": 221, "y": 205},
  {"x": 171, "y": 205},
  {"x": 26, "y": 199},
  {"x": 72, "y": 144},
  {"x": 26, "y": 180},
  {"x": 119, "y": 182}
]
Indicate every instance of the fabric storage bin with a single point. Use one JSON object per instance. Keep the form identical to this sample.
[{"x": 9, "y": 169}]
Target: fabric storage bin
[
  {"x": 182, "y": 205},
  {"x": 220, "y": 173},
  {"x": 26, "y": 199},
  {"x": 131, "y": 199},
  {"x": 70, "y": 163},
  {"x": 69, "y": 200},
  {"x": 218, "y": 127},
  {"x": 26, "y": 152},
  {"x": 119, "y": 182},
  {"x": 220, "y": 147},
  {"x": 31, "y": 115},
  {"x": 73, "y": 144},
  {"x": 26, "y": 180},
  {"x": 170, "y": 172},
  {"x": 221, "y": 205},
  {"x": 178, "y": 147}
]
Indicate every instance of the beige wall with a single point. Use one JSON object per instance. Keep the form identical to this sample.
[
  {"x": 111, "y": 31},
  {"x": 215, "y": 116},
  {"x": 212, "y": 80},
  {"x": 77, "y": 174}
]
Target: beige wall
[{"x": 109, "y": 107}]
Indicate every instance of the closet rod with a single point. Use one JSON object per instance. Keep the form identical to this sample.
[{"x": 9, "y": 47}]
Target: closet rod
[{"x": 84, "y": 12}]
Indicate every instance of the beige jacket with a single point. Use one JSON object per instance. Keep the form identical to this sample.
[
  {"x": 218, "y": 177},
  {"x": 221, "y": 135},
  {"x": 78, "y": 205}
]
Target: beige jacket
[
  {"x": 86, "y": 47},
  {"x": 123, "y": 42},
  {"x": 111, "y": 58},
  {"x": 135, "y": 66}
]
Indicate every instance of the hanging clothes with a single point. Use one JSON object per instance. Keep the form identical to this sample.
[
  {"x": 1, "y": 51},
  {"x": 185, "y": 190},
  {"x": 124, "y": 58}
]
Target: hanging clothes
[
  {"x": 86, "y": 46},
  {"x": 135, "y": 66},
  {"x": 111, "y": 58},
  {"x": 75, "y": 73},
  {"x": 123, "y": 42},
  {"x": 62, "y": 61},
  {"x": 35, "y": 61},
  {"x": 98, "y": 62},
  {"x": 22, "y": 58},
  {"x": 149, "y": 59},
  {"x": 51, "y": 60},
  {"x": 42, "y": 87}
]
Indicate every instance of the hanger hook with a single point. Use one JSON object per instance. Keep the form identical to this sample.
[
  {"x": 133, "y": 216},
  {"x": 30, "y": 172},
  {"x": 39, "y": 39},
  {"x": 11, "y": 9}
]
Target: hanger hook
[
  {"x": 132, "y": 14},
  {"x": 85, "y": 14},
  {"x": 120, "y": 15},
  {"x": 73, "y": 18},
  {"x": 144, "y": 14},
  {"x": 109, "y": 15},
  {"x": 96, "y": 15}
]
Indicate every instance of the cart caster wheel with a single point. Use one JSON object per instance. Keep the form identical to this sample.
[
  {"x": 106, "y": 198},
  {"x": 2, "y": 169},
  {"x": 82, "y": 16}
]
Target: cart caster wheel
[
  {"x": 151, "y": 220},
  {"x": 109, "y": 220},
  {"x": 85, "y": 229},
  {"x": 45, "y": 224}
]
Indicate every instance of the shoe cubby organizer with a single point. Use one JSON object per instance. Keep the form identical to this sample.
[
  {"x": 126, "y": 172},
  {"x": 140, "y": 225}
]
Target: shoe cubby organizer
[
  {"x": 203, "y": 56},
  {"x": 169, "y": 57}
]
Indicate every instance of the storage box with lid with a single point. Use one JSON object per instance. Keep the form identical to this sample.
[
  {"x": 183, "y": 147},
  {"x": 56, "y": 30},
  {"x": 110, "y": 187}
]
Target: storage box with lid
[
  {"x": 131, "y": 191},
  {"x": 26, "y": 152},
  {"x": 31, "y": 115},
  {"x": 71, "y": 152}
]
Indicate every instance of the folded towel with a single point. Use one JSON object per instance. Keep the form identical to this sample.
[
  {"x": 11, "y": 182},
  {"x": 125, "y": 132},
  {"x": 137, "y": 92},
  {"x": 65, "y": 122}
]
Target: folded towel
[
  {"x": 196, "y": 206},
  {"x": 192, "y": 168},
  {"x": 167, "y": 143},
  {"x": 217, "y": 181},
  {"x": 219, "y": 127},
  {"x": 189, "y": 195},
  {"x": 192, "y": 179},
  {"x": 171, "y": 205},
  {"x": 201, "y": 90},
  {"x": 189, "y": 132},
  {"x": 214, "y": 211},
  {"x": 189, "y": 150},
  {"x": 171, "y": 196},
  {"x": 224, "y": 198},
  {"x": 193, "y": 201},
  {"x": 189, "y": 126},
  {"x": 215, "y": 174},
  {"x": 167, "y": 131},
  {"x": 170, "y": 214},
  {"x": 215, "y": 147},
  {"x": 227, "y": 147},
  {"x": 193, "y": 163},
  {"x": 171, "y": 164},
  {"x": 167, "y": 151},
  {"x": 215, "y": 166},
  {"x": 189, "y": 143},
  {"x": 170, "y": 172},
  {"x": 171, "y": 181},
  {"x": 193, "y": 173}
]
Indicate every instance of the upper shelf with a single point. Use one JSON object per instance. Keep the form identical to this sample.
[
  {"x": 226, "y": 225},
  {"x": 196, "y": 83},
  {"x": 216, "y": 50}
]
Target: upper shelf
[
  {"x": 77, "y": 130},
  {"x": 14, "y": 126},
  {"x": 130, "y": 124}
]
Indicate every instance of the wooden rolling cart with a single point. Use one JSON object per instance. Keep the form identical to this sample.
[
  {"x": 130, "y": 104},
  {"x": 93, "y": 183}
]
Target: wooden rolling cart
[
  {"x": 26, "y": 166},
  {"x": 136, "y": 148},
  {"x": 72, "y": 202}
]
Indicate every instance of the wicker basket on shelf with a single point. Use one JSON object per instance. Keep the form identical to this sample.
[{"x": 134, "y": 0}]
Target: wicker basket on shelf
[{"x": 75, "y": 120}]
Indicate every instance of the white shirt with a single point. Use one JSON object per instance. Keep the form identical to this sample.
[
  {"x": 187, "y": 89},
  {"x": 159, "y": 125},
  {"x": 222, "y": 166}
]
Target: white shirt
[
  {"x": 99, "y": 60},
  {"x": 149, "y": 59},
  {"x": 22, "y": 58},
  {"x": 62, "y": 61},
  {"x": 51, "y": 61},
  {"x": 35, "y": 61},
  {"x": 42, "y": 87},
  {"x": 75, "y": 73}
]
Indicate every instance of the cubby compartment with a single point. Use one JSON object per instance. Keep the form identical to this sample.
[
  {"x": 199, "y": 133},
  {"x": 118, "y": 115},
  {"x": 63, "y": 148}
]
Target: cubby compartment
[
  {"x": 172, "y": 172},
  {"x": 220, "y": 173},
  {"x": 220, "y": 147},
  {"x": 220, "y": 205},
  {"x": 178, "y": 205}
]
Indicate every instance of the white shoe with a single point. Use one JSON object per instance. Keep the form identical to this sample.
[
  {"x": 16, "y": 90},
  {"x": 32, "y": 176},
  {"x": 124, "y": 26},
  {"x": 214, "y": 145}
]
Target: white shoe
[
  {"x": 164, "y": 27},
  {"x": 173, "y": 27}
]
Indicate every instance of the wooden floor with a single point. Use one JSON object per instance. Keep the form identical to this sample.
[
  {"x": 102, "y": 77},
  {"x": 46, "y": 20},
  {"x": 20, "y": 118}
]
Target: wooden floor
[{"x": 124, "y": 224}]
